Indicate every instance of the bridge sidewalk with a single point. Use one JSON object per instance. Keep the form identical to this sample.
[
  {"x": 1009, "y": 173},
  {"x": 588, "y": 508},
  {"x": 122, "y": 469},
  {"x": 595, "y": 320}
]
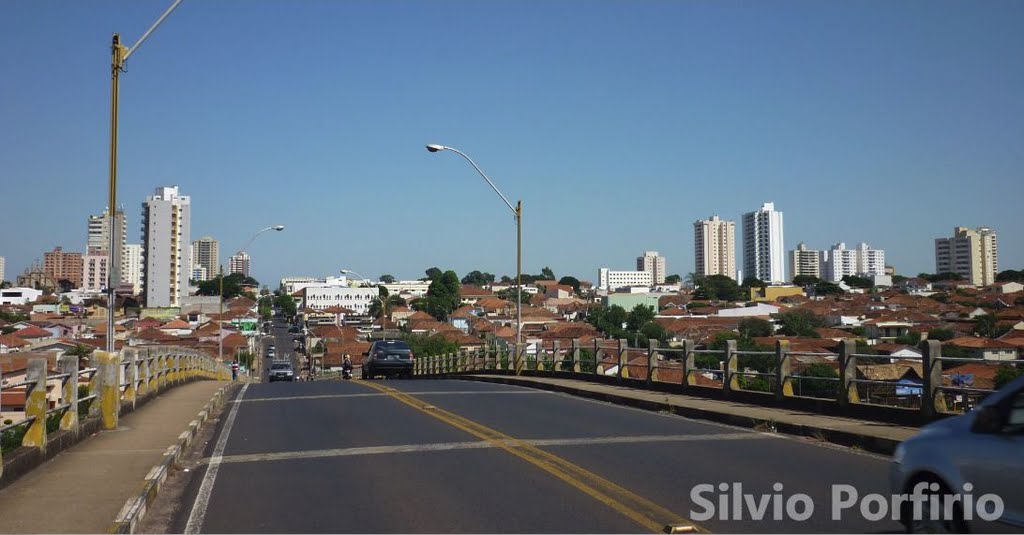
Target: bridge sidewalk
[
  {"x": 81, "y": 490},
  {"x": 878, "y": 437}
]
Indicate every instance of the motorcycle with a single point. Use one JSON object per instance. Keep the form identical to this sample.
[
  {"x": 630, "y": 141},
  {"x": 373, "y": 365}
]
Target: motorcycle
[{"x": 346, "y": 373}]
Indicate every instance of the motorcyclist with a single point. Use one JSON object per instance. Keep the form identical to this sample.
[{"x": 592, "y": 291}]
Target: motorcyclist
[{"x": 346, "y": 366}]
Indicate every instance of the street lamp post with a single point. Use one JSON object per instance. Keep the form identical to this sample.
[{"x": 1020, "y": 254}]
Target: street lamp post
[
  {"x": 119, "y": 55},
  {"x": 220, "y": 319},
  {"x": 517, "y": 211},
  {"x": 383, "y": 305}
]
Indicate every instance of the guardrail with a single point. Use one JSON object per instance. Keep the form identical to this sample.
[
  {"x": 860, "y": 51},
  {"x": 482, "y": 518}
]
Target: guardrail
[
  {"x": 757, "y": 376},
  {"x": 118, "y": 383}
]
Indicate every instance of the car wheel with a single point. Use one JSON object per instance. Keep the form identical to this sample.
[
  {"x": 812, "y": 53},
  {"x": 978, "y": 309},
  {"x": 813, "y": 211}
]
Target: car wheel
[{"x": 925, "y": 524}]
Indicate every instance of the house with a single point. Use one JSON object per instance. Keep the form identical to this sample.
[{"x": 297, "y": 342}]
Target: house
[
  {"x": 34, "y": 334},
  {"x": 904, "y": 376},
  {"x": 470, "y": 294},
  {"x": 1010, "y": 287},
  {"x": 770, "y": 294},
  {"x": 897, "y": 351},
  {"x": 758, "y": 310},
  {"x": 984, "y": 348},
  {"x": 915, "y": 286},
  {"x": 10, "y": 343}
]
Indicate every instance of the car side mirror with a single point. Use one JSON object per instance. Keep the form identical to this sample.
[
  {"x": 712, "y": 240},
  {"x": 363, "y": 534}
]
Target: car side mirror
[{"x": 988, "y": 420}]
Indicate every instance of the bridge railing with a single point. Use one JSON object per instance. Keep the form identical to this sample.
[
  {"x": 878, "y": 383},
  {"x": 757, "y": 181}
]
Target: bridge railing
[
  {"x": 117, "y": 384},
  {"x": 844, "y": 382}
]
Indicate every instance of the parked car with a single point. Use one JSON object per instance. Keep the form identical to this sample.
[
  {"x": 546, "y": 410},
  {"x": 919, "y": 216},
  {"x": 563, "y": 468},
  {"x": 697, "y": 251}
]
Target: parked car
[
  {"x": 281, "y": 371},
  {"x": 983, "y": 449},
  {"x": 388, "y": 357}
]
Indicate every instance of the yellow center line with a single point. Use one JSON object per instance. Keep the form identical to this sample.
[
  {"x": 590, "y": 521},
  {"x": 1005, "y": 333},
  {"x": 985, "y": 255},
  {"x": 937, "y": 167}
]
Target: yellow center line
[{"x": 631, "y": 505}]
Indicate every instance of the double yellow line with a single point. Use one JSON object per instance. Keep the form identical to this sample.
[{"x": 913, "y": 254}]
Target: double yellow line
[{"x": 644, "y": 512}]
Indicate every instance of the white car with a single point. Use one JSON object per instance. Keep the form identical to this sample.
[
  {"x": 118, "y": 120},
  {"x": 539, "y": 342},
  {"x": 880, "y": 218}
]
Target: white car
[{"x": 978, "y": 456}]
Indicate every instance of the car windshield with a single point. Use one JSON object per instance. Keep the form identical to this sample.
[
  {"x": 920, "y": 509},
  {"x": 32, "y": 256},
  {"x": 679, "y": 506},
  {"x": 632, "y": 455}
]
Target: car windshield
[{"x": 280, "y": 367}]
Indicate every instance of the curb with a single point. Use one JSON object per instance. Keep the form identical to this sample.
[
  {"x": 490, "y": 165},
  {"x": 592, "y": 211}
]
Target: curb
[
  {"x": 135, "y": 508},
  {"x": 873, "y": 444}
]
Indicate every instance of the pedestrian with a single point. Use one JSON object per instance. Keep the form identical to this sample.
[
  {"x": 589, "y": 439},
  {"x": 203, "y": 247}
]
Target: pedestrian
[{"x": 234, "y": 370}]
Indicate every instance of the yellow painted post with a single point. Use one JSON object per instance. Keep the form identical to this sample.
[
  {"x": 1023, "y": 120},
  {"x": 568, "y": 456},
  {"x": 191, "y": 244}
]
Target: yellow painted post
[
  {"x": 161, "y": 370},
  {"x": 556, "y": 348},
  {"x": 109, "y": 386},
  {"x": 848, "y": 393},
  {"x": 783, "y": 370},
  {"x": 688, "y": 364},
  {"x": 131, "y": 376},
  {"x": 94, "y": 387},
  {"x": 35, "y": 404},
  {"x": 69, "y": 365},
  {"x": 518, "y": 361},
  {"x": 622, "y": 372},
  {"x": 149, "y": 378},
  {"x": 731, "y": 380}
]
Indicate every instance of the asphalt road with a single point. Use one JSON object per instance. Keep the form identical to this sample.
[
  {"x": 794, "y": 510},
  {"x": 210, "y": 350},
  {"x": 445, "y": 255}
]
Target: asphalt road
[
  {"x": 283, "y": 348},
  {"x": 459, "y": 456}
]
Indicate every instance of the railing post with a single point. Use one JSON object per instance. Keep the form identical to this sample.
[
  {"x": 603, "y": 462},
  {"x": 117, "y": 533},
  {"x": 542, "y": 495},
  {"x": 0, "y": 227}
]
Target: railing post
[
  {"x": 847, "y": 374},
  {"x": 730, "y": 379},
  {"x": 94, "y": 385},
  {"x": 623, "y": 355},
  {"x": 932, "y": 400},
  {"x": 131, "y": 376},
  {"x": 556, "y": 363},
  {"x": 652, "y": 361},
  {"x": 688, "y": 364},
  {"x": 538, "y": 357},
  {"x": 35, "y": 404},
  {"x": 109, "y": 365},
  {"x": 783, "y": 370},
  {"x": 576, "y": 355},
  {"x": 519, "y": 359},
  {"x": 598, "y": 357},
  {"x": 69, "y": 364},
  {"x": 145, "y": 384}
]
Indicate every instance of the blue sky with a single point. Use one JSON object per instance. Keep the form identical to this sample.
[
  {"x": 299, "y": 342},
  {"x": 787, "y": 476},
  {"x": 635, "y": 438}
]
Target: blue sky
[{"x": 617, "y": 123}]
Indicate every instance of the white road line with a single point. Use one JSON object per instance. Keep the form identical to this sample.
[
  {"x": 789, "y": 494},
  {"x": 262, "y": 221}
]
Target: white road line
[
  {"x": 382, "y": 394},
  {"x": 198, "y": 514},
  {"x": 472, "y": 445}
]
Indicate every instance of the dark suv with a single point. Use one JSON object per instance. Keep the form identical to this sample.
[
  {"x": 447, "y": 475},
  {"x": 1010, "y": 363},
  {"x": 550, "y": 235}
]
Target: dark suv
[{"x": 388, "y": 357}]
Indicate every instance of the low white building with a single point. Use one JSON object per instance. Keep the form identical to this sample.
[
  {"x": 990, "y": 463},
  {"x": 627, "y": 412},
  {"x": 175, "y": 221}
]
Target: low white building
[
  {"x": 414, "y": 288},
  {"x": 759, "y": 309},
  {"x": 613, "y": 280},
  {"x": 19, "y": 296},
  {"x": 358, "y": 300}
]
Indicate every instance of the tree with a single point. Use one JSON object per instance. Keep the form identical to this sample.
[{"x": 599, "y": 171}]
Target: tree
[
  {"x": 751, "y": 281},
  {"x": 5, "y": 284},
  {"x": 287, "y": 305},
  {"x": 65, "y": 285},
  {"x": 232, "y": 285},
  {"x": 638, "y": 317},
  {"x": 478, "y": 278},
  {"x": 859, "y": 282},
  {"x": 510, "y": 294},
  {"x": 547, "y": 273},
  {"x": 986, "y": 326},
  {"x": 912, "y": 338},
  {"x": 694, "y": 280},
  {"x": 897, "y": 279},
  {"x": 673, "y": 279},
  {"x": 423, "y": 345},
  {"x": 719, "y": 287},
  {"x": 941, "y": 334},
  {"x": 655, "y": 331},
  {"x": 1010, "y": 275},
  {"x": 433, "y": 274},
  {"x": 806, "y": 280},
  {"x": 387, "y": 279},
  {"x": 442, "y": 295},
  {"x": 827, "y": 288},
  {"x": 800, "y": 323},
  {"x": 571, "y": 281},
  {"x": 1006, "y": 374},
  {"x": 819, "y": 385},
  {"x": 751, "y": 328},
  {"x": 83, "y": 352}
]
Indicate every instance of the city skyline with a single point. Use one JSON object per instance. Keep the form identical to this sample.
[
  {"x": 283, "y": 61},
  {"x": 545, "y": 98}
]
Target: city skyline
[{"x": 693, "y": 108}]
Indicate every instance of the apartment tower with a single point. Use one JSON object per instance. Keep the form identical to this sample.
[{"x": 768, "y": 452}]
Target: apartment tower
[
  {"x": 970, "y": 253},
  {"x": 804, "y": 261},
  {"x": 239, "y": 263},
  {"x": 205, "y": 254},
  {"x": 652, "y": 263},
  {"x": 166, "y": 219},
  {"x": 714, "y": 244},
  {"x": 763, "y": 253}
]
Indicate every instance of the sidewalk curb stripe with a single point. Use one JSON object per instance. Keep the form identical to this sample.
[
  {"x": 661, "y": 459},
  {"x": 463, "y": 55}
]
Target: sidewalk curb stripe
[{"x": 135, "y": 508}]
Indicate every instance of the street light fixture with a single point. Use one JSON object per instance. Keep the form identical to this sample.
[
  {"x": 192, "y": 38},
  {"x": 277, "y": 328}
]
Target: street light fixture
[
  {"x": 517, "y": 210},
  {"x": 119, "y": 55},
  {"x": 383, "y": 305},
  {"x": 220, "y": 319}
]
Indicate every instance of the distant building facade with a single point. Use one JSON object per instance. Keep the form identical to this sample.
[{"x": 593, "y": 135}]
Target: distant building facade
[
  {"x": 612, "y": 280},
  {"x": 971, "y": 253},
  {"x": 805, "y": 262},
  {"x": 206, "y": 255},
  {"x": 652, "y": 263},
  {"x": 763, "y": 254},
  {"x": 131, "y": 267},
  {"x": 98, "y": 240},
  {"x": 714, "y": 247},
  {"x": 59, "y": 265},
  {"x": 239, "y": 263},
  {"x": 166, "y": 220},
  {"x": 94, "y": 270}
]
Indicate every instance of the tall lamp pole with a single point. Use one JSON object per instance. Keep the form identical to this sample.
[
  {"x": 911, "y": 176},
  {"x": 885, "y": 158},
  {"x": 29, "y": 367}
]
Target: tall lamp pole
[
  {"x": 119, "y": 55},
  {"x": 220, "y": 319},
  {"x": 517, "y": 210}
]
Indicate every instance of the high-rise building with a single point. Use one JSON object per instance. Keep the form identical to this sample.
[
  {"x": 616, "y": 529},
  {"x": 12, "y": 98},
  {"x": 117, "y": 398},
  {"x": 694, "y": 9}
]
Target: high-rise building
[
  {"x": 870, "y": 262},
  {"x": 205, "y": 254},
  {"x": 94, "y": 270},
  {"x": 59, "y": 265},
  {"x": 239, "y": 263},
  {"x": 131, "y": 267},
  {"x": 971, "y": 253},
  {"x": 714, "y": 243},
  {"x": 838, "y": 262},
  {"x": 652, "y": 263},
  {"x": 99, "y": 239},
  {"x": 763, "y": 253},
  {"x": 2, "y": 268},
  {"x": 166, "y": 217},
  {"x": 804, "y": 261}
]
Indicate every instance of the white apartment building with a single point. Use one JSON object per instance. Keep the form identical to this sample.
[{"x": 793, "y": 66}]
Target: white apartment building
[
  {"x": 94, "y": 270},
  {"x": 413, "y": 288},
  {"x": 2, "y": 268},
  {"x": 870, "y": 262},
  {"x": 804, "y": 261},
  {"x": 356, "y": 299},
  {"x": 98, "y": 240},
  {"x": 206, "y": 255},
  {"x": 838, "y": 262},
  {"x": 19, "y": 296},
  {"x": 239, "y": 263},
  {"x": 166, "y": 223},
  {"x": 652, "y": 263},
  {"x": 199, "y": 273},
  {"x": 763, "y": 253},
  {"x": 613, "y": 280},
  {"x": 971, "y": 253},
  {"x": 714, "y": 246},
  {"x": 131, "y": 267}
]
